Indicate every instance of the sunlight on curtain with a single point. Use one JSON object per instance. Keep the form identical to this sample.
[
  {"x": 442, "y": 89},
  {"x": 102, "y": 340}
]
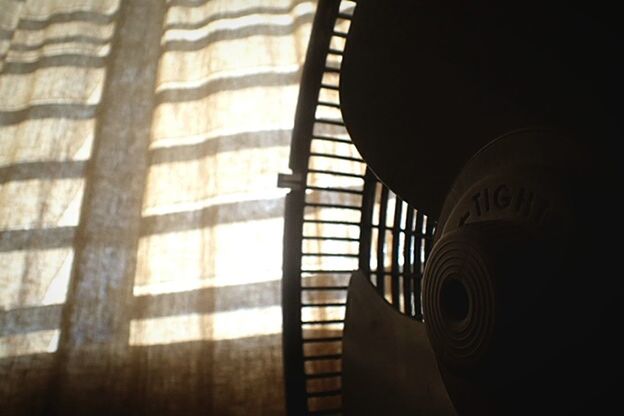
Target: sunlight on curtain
[
  {"x": 140, "y": 222},
  {"x": 216, "y": 326},
  {"x": 220, "y": 135},
  {"x": 51, "y": 80},
  {"x": 227, "y": 87}
]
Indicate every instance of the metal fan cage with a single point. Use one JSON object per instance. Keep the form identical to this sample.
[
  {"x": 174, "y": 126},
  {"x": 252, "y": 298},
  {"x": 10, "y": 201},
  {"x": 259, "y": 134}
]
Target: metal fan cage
[{"x": 338, "y": 218}]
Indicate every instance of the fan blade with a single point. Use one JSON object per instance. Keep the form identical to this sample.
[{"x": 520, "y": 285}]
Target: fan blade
[
  {"x": 426, "y": 84},
  {"x": 388, "y": 365}
]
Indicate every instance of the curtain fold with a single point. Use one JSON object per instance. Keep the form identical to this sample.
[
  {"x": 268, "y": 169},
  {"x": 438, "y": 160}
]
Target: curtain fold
[{"x": 140, "y": 224}]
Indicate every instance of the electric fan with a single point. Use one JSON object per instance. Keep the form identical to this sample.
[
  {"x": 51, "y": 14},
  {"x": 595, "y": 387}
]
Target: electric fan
[{"x": 498, "y": 122}]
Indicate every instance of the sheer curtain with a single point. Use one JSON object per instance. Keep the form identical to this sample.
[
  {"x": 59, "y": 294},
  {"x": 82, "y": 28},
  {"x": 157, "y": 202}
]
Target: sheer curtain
[{"x": 140, "y": 225}]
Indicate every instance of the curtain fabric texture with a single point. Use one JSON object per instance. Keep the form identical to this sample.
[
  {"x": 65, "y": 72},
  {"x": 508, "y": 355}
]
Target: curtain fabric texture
[{"x": 140, "y": 224}]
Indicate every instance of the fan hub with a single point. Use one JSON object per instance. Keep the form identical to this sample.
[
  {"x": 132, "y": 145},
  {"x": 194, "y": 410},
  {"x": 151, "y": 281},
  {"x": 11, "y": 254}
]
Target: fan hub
[{"x": 506, "y": 271}]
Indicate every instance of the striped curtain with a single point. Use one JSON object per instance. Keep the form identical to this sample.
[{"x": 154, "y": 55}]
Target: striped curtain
[{"x": 140, "y": 224}]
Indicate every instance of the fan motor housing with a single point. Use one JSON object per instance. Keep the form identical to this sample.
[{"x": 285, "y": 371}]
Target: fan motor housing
[{"x": 515, "y": 308}]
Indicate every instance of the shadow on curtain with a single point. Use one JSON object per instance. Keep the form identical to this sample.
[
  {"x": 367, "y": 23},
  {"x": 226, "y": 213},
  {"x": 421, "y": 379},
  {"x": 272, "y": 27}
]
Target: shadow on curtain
[{"x": 140, "y": 225}]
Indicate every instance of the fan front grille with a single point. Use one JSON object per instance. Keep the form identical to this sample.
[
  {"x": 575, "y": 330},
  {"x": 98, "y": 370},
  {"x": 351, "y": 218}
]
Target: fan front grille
[{"x": 339, "y": 220}]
